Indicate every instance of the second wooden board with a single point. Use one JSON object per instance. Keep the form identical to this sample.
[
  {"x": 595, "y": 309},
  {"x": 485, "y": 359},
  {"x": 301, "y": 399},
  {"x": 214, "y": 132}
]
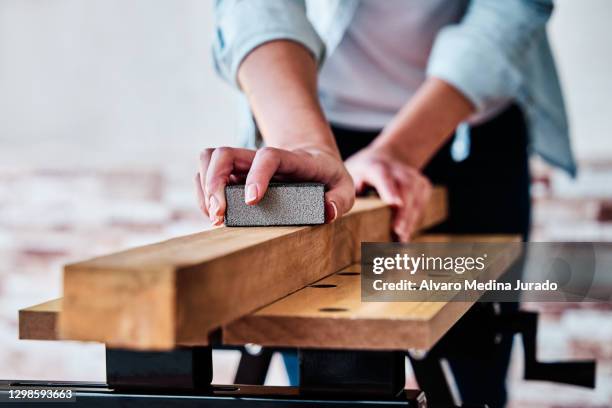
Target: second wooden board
[
  {"x": 39, "y": 322},
  {"x": 330, "y": 314}
]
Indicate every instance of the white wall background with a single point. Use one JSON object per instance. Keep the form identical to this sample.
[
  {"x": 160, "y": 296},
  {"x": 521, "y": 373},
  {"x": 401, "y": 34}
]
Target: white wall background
[
  {"x": 582, "y": 41},
  {"x": 109, "y": 83},
  {"x": 115, "y": 83}
]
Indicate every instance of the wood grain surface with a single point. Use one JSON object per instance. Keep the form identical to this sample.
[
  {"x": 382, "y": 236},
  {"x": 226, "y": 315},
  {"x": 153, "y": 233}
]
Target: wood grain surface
[
  {"x": 330, "y": 314},
  {"x": 179, "y": 291},
  {"x": 297, "y": 320}
]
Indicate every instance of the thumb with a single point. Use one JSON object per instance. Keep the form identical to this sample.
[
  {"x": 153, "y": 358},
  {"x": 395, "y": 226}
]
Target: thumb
[{"x": 339, "y": 200}]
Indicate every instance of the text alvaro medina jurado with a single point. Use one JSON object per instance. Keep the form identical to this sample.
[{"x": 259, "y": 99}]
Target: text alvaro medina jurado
[{"x": 459, "y": 265}]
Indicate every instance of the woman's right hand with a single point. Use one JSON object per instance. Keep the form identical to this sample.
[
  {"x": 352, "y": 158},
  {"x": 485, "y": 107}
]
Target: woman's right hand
[{"x": 226, "y": 165}]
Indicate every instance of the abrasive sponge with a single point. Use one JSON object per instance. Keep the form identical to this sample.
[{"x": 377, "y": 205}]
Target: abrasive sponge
[{"x": 283, "y": 204}]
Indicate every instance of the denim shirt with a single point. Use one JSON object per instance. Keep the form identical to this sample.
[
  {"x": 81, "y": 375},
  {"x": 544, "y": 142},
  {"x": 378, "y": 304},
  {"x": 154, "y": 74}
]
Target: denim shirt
[{"x": 499, "y": 50}]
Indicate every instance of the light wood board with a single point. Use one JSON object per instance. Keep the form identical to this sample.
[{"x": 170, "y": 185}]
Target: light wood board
[
  {"x": 40, "y": 322},
  {"x": 179, "y": 291},
  {"x": 330, "y": 314}
]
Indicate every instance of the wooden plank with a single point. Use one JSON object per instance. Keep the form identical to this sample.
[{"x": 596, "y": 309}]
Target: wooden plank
[
  {"x": 40, "y": 322},
  {"x": 179, "y": 291},
  {"x": 330, "y": 313}
]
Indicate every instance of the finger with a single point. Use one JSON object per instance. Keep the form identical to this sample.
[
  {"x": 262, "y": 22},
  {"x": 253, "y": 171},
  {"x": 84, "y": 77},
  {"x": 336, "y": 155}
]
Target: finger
[
  {"x": 266, "y": 163},
  {"x": 422, "y": 193},
  {"x": 200, "y": 195},
  {"x": 417, "y": 190},
  {"x": 223, "y": 162},
  {"x": 412, "y": 217},
  {"x": 382, "y": 180},
  {"x": 403, "y": 220},
  {"x": 339, "y": 200},
  {"x": 269, "y": 161}
]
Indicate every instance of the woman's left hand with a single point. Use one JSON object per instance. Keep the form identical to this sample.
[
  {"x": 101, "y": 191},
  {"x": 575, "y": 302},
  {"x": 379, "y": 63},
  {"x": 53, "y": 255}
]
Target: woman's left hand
[{"x": 397, "y": 183}]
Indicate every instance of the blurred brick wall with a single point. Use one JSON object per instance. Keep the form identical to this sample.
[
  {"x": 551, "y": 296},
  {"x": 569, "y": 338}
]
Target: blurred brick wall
[
  {"x": 569, "y": 210},
  {"x": 51, "y": 217}
]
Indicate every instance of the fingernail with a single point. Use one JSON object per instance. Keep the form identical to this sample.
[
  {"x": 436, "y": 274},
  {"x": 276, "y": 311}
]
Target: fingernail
[
  {"x": 335, "y": 211},
  {"x": 251, "y": 193},
  {"x": 213, "y": 208}
]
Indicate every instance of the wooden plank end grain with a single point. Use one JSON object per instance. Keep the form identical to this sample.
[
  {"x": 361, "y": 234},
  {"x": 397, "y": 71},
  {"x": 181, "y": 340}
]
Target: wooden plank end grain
[
  {"x": 39, "y": 322},
  {"x": 131, "y": 308}
]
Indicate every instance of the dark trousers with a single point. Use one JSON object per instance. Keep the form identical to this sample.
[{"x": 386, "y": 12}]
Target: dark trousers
[{"x": 488, "y": 193}]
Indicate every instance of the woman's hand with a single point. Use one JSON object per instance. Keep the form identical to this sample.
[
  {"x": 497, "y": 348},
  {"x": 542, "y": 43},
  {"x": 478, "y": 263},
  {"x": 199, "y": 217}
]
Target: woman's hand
[
  {"x": 397, "y": 183},
  {"x": 225, "y": 165},
  {"x": 279, "y": 79}
]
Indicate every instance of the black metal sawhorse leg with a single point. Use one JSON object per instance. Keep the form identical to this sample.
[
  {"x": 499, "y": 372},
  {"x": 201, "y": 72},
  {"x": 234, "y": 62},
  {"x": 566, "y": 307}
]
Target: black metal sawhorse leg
[
  {"x": 431, "y": 378},
  {"x": 253, "y": 368},
  {"x": 182, "y": 378},
  {"x": 327, "y": 378}
]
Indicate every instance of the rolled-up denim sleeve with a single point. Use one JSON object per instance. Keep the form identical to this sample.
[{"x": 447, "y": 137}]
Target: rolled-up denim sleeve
[
  {"x": 243, "y": 25},
  {"x": 482, "y": 55}
]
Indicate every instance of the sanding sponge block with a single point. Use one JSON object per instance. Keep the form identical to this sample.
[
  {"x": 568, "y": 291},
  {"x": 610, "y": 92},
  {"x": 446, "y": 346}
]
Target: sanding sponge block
[{"x": 283, "y": 204}]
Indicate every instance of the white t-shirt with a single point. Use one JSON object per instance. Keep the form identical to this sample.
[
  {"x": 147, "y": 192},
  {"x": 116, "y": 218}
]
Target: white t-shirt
[{"x": 382, "y": 59}]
